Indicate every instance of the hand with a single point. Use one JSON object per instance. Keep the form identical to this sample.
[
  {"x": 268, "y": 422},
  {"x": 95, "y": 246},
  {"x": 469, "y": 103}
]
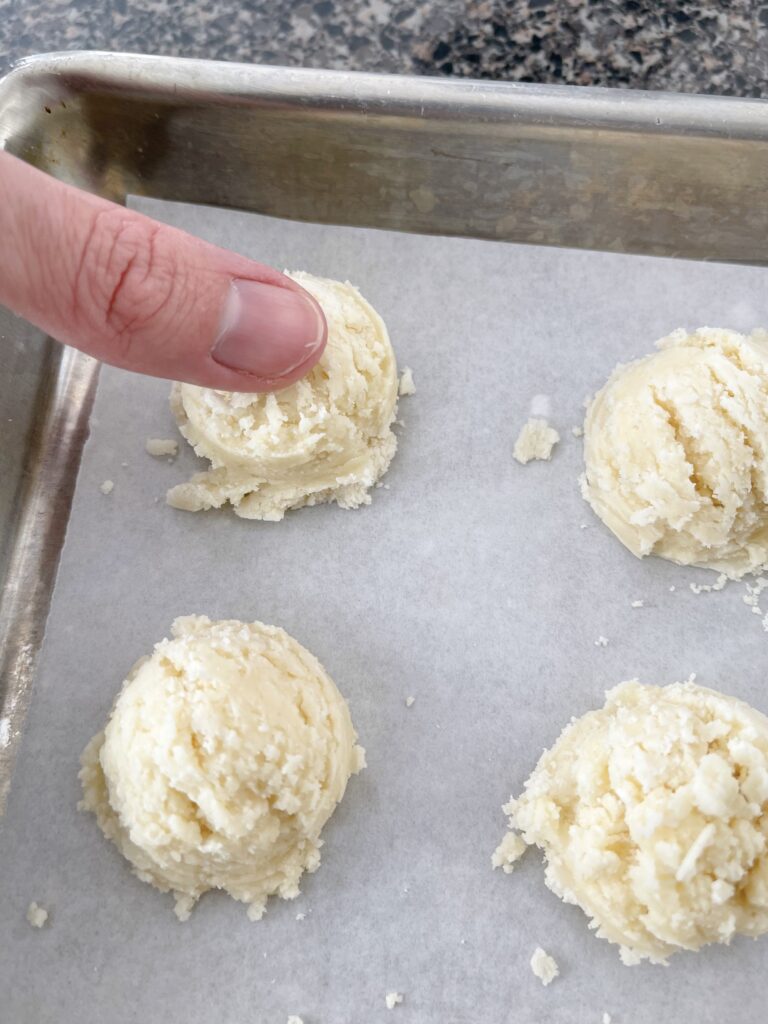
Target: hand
[{"x": 147, "y": 297}]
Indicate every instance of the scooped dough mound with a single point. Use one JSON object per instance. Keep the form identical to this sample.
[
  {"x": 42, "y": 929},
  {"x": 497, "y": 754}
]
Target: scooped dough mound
[
  {"x": 653, "y": 817},
  {"x": 225, "y": 754},
  {"x": 326, "y": 438},
  {"x": 676, "y": 451}
]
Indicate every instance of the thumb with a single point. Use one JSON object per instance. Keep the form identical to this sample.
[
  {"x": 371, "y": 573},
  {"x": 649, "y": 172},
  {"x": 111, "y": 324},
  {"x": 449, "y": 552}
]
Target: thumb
[{"x": 147, "y": 297}]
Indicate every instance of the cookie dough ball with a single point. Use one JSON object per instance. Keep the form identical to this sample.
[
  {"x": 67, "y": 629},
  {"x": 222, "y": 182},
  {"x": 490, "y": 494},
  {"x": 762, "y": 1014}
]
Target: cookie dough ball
[
  {"x": 676, "y": 451},
  {"x": 326, "y": 438},
  {"x": 653, "y": 817},
  {"x": 225, "y": 754}
]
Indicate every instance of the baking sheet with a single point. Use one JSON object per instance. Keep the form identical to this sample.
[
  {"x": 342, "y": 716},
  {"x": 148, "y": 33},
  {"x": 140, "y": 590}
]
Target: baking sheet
[{"x": 469, "y": 584}]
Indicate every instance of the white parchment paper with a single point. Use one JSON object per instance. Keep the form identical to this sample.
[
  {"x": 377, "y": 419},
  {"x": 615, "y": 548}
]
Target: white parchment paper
[{"x": 469, "y": 584}]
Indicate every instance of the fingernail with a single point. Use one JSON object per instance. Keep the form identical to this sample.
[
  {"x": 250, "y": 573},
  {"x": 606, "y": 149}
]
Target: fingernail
[{"x": 268, "y": 331}]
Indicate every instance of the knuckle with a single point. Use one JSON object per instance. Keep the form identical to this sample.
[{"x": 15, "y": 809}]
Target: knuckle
[{"x": 125, "y": 278}]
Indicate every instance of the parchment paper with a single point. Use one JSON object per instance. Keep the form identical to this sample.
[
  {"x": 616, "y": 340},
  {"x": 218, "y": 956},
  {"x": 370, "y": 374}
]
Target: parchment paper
[{"x": 468, "y": 584}]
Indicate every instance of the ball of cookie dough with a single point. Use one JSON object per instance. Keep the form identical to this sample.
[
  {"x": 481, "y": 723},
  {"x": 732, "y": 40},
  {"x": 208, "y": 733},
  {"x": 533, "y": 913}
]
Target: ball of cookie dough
[
  {"x": 226, "y": 752},
  {"x": 676, "y": 451},
  {"x": 326, "y": 438},
  {"x": 653, "y": 817}
]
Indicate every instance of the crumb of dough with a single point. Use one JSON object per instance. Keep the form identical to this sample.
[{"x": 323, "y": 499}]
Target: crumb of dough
[
  {"x": 676, "y": 451},
  {"x": 407, "y": 387},
  {"x": 652, "y": 814},
  {"x": 326, "y": 438},
  {"x": 410, "y": 701},
  {"x": 300, "y": 916},
  {"x": 707, "y": 588},
  {"x": 602, "y": 641},
  {"x": 36, "y": 915},
  {"x": 638, "y": 604},
  {"x": 293, "y": 1019},
  {"x": 508, "y": 852},
  {"x": 107, "y": 486},
  {"x": 606, "y": 1018},
  {"x": 672, "y": 589},
  {"x": 226, "y": 752},
  {"x": 544, "y": 966},
  {"x": 393, "y": 999},
  {"x": 577, "y": 431},
  {"x": 535, "y": 441},
  {"x": 158, "y": 447}
]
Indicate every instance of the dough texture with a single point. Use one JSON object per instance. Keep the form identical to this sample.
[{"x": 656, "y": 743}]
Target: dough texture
[
  {"x": 326, "y": 438},
  {"x": 225, "y": 754},
  {"x": 676, "y": 451},
  {"x": 653, "y": 817}
]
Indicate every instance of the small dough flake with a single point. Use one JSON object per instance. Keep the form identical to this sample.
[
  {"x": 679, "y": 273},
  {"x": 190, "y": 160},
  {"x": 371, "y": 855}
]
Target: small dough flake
[
  {"x": 393, "y": 999},
  {"x": 508, "y": 852},
  {"x": 676, "y": 451},
  {"x": 638, "y": 604},
  {"x": 602, "y": 641},
  {"x": 107, "y": 486},
  {"x": 535, "y": 441},
  {"x": 159, "y": 447},
  {"x": 410, "y": 701},
  {"x": 407, "y": 387},
  {"x": 36, "y": 915},
  {"x": 226, "y": 752},
  {"x": 326, "y": 438},
  {"x": 544, "y": 966},
  {"x": 293, "y": 1019},
  {"x": 652, "y": 814}
]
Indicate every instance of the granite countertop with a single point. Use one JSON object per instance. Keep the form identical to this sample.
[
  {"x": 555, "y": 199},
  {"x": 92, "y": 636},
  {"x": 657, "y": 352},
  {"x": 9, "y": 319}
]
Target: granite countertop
[{"x": 718, "y": 46}]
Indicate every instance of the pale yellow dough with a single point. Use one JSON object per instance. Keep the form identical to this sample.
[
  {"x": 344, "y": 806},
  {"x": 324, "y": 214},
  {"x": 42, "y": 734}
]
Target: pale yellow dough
[
  {"x": 326, "y": 438},
  {"x": 653, "y": 817},
  {"x": 676, "y": 451},
  {"x": 225, "y": 754}
]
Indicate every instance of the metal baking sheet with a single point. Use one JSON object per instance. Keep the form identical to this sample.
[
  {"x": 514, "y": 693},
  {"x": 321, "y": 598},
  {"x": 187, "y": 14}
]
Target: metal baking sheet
[{"x": 469, "y": 583}]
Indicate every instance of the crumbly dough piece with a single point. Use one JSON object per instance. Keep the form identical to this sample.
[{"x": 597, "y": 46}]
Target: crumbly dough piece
[
  {"x": 407, "y": 385},
  {"x": 393, "y": 999},
  {"x": 544, "y": 966},
  {"x": 326, "y": 438},
  {"x": 652, "y": 813},
  {"x": 225, "y": 754},
  {"x": 676, "y": 451},
  {"x": 159, "y": 447},
  {"x": 36, "y": 915},
  {"x": 535, "y": 441}
]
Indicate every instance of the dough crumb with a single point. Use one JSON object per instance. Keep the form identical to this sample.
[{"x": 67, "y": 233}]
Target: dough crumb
[
  {"x": 293, "y": 1019},
  {"x": 158, "y": 447},
  {"x": 535, "y": 441},
  {"x": 508, "y": 852},
  {"x": 410, "y": 701},
  {"x": 602, "y": 641},
  {"x": 107, "y": 486},
  {"x": 5, "y": 732},
  {"x": 672, "y": 589},
  {"x": 544, "y": 966},
  {"x": 707, "y": 588},
  {"x": 638, "y": 604},
  {"x": 606, "y": 1018},
  {"x": 393, "y": 999},
  {"x": 407, "y": 387},
  {"x": 36, "y": 915},
  {"x": 577, "y": 431},
  {"x": 300, "y": 916}
]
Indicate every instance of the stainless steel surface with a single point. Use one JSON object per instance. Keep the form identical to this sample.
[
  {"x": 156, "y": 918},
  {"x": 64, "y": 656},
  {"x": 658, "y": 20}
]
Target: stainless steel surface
[{"x": 590, "y": 168}]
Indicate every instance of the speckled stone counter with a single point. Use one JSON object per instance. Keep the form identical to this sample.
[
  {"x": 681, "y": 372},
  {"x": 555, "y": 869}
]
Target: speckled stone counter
[{"x": 716, "y": 46}]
